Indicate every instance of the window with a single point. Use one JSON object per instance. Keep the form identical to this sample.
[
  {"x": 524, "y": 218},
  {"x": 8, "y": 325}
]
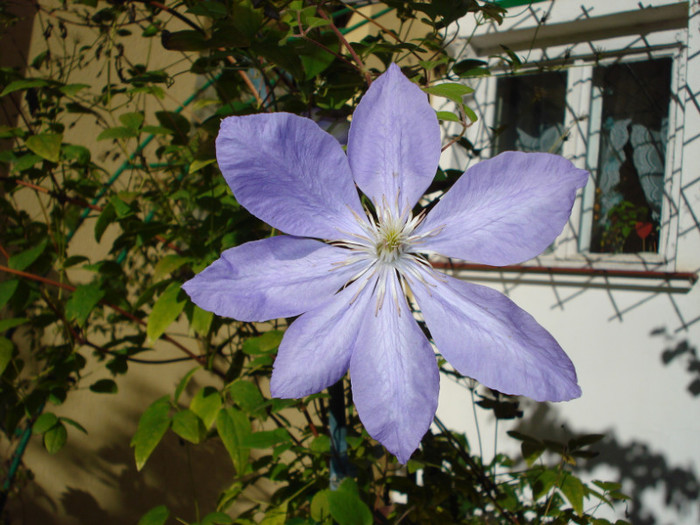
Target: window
[{"x": 604, "y": 96}]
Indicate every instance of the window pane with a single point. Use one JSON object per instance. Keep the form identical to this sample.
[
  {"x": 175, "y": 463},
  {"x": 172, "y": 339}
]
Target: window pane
[
  {"x": 530, "y": 112},
  {"x": 632, "y": 152}
]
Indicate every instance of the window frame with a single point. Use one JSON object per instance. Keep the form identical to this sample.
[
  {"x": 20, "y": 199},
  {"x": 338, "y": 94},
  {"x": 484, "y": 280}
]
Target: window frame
[{"x": 571, "y": 247}]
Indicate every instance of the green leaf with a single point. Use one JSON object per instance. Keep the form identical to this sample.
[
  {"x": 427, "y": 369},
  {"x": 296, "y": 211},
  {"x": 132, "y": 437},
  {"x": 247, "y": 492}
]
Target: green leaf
[
  {"x": 263, "y": 344},
  {"x": 72, "y": 89},
  {"x": 46, "y": 145},
  {"x": 276, "y": 515},
  {"x": 24, "y": 259},
  {"x": 153, "y": 425},
  {"x": 106, "y": 218},
  {"x": 450, "y": 90},
  {"x": 6, "y": 324},
  {"x": 83, "y": 301},
  {"x": 24, "y": 83},
  {"x": 347, "y": 508},
  {"x": 185, "y": 40},
  {"x": 183, "y": 383},
  {"x": 197, "y": 165},
  {"x": 188, "y": 426},
  {"x": 6, "y": 351},
  {"x": 246, "y": 395},
  {"x": 206, "y": 404},
  {"x": 156, "y": 516},
  {"x": 165, "y": 310},
  {"x": 201, "y": 321},
  {"x": 44, "y": 422},
  {"x": 233, "y": 428},
  {"x": 118, "y": 132},
  {"x": 169, "y": 264},
  {"x": 573, "y": 489},
  {"x": 447, "y": 116},
  {"x": 25, "y": 162},
  {"x": 320, "y": 506},
  {"x": 73, "y": 423},
  {"x": 7, "y": 290},
  {"x": 104, "y": 386},
  {"x": 470, "y": 113},
  {"x": 266, "y": 438},
  {"x": 55, "y": 438},
  {"x": 132, "y": 120}
]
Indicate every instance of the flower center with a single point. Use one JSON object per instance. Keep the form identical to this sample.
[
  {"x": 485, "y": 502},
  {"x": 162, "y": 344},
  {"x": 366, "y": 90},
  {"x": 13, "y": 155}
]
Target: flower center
[{"x": 391, "y": 240}]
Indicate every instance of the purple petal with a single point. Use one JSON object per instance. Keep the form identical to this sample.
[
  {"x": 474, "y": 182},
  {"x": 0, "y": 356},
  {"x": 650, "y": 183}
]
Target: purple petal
[
  {"x": 504, "y": 210},
  {"x": 395, "y": 378},
  {"x": 316, "y": 348},
  {"x": 276, "y": 277},
  {"x": 288, "y": 172},
  {"x": 394, "y": 142},
  {"x": 484, "y": 335}
]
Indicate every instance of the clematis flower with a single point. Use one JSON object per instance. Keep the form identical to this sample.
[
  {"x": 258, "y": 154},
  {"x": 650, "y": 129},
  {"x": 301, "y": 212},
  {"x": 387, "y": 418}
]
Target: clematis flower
[{"x": 349, "y": 273}]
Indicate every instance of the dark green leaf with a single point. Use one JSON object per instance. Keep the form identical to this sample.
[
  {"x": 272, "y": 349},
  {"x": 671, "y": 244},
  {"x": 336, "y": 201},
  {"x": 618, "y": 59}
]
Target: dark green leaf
[
  {"x": 107, "y": 217},
  {"x": 104, "y": 386},
  {"x": 118, "y": 132},
  {"x": 6, "y": 324},
  {"x": 6, "y": 351},
  {"x": 7, "y": 290},
  {"x": 83, "y": 301},
  {"x": 156, "y": 516},
  {"x": 23, "y": 260},
  {"x": 24, "y": 83},
  {"x": 320, "y": 506},
  {"x": 153, "y": 425},
  {"x": 168, "y": 264}
]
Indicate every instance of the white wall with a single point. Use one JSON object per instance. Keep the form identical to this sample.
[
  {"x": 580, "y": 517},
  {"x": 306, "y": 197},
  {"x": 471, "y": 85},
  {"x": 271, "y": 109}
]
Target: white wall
[{"x": 651, "y": 419}]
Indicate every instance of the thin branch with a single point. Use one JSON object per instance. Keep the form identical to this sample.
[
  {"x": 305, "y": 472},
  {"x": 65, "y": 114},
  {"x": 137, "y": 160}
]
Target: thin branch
[
  {"x": 346, "y": 44},
  {"x": 132, "y": 317}
]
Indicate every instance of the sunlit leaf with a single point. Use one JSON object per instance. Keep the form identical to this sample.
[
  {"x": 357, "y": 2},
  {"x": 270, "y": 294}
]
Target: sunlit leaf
[
  {"x": 153, "y": 425},
  {"x": 55, "y": 438},
  {"x": 206, "y": 404},
  {"x": 188, "y": 426},
  {"x": 165, "y": 310},
  {"x": 46, "y": 145},
  {"x": 233, "y": 428}
]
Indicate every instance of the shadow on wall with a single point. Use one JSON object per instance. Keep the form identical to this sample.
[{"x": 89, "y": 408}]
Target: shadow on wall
[
  {"x": 677, "y": 352},
  {"x": 99, "y": 483},
  {"x": 639, "y": 469}
]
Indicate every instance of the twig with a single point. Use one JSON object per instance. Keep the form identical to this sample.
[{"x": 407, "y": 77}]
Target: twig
[
  {"x": 117, "y": 309},
  {"x": 355, "y": 56}
]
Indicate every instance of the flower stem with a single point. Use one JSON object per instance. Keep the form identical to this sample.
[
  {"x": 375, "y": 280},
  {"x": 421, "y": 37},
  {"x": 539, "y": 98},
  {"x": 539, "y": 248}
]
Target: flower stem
[{"x": 338, "y": 430}]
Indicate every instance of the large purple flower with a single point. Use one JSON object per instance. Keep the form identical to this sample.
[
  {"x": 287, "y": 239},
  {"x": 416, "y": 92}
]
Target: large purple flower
[{"x": 347, "y": 272}]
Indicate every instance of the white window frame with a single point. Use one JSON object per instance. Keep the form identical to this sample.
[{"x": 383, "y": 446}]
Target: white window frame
[{"x": 571, "y": 247}]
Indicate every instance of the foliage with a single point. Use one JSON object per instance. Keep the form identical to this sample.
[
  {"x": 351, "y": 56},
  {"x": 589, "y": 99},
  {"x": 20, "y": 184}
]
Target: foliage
[{"x": 155, "y": 209}]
